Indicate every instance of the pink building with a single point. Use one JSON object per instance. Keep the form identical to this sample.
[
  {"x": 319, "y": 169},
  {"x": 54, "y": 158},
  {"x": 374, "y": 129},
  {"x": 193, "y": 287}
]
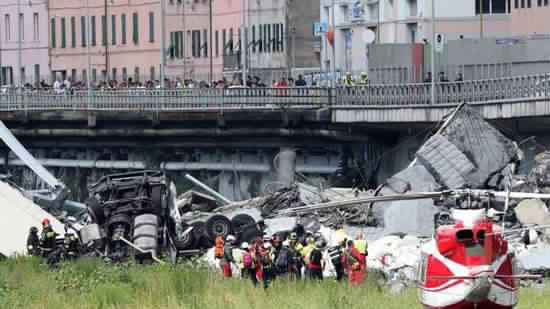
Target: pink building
[
  {"x": 32, "y": 52},
  {"x": 123, "y": 41}
]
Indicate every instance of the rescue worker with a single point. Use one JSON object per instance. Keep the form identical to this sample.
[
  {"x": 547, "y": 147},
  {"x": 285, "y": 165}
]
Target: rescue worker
[
  {"x": 354, "y": 263},
  {"x": 310, "y": 245},
  {"x": 70, "y": 245},
  {"x": 33, "y": 242},
  {"x": 335, "y": 255},
  {"x": 316, "y": 264},
  {"x": 48, "y": 244},
  {"x": 227, "y": 259},
  {"x": 249, "y": 263},
  {"x": 364, "y": 81},
  {"x": 266, "y": 258},
  {"x": 361, "y": 243},
  {"x": 283, "y": 260},
  {"x": 295, "y": 248},
  {"x": 348, "y": 80}
]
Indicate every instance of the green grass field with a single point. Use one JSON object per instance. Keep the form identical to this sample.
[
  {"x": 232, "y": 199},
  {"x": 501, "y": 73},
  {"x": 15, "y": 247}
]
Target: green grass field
[{"x": 24, "y": 283}]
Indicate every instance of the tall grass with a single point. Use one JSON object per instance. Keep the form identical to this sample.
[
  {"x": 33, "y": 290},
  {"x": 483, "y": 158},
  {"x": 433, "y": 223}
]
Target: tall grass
[{"x": 24, "y": 283}]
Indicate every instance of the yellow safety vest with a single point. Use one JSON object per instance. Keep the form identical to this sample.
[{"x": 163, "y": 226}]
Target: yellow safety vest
[{"x": 361, "y": 245}]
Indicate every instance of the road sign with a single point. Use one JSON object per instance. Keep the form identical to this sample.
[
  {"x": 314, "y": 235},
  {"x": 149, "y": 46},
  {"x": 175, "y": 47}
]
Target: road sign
[
  {"x": 439, "y": 42},
  {"x": 320, "y": 29}
]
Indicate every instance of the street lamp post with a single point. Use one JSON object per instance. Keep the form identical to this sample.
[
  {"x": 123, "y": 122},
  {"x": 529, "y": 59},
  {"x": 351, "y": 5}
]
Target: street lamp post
[
  {"x": 19, "y": 43},
  {"x": 433, "y": 52},
  {"x": 210, "y": 75},
  {"x": 333, "y": 62},
  {"x": 162, "y": 42}
]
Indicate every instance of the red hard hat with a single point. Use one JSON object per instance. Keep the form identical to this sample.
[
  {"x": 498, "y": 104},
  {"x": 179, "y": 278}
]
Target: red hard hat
[{"x": 45, "y": 221}]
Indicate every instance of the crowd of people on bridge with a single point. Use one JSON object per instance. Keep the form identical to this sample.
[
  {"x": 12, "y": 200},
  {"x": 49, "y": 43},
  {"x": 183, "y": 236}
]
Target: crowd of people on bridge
[{"x": 291, "y": 258}]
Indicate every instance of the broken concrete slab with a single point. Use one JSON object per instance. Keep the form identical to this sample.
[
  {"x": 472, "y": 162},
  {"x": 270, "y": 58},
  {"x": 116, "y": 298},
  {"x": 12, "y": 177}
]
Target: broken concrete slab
[
  {"x": 445, "y": 161},
  {"x": 532, "y": 211},
  {"x": 488, "y": 149}
]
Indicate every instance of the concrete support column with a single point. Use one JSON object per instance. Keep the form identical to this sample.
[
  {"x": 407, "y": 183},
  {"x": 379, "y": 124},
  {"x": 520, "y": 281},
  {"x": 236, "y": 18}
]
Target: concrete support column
[{"x": 285, "y": 164}]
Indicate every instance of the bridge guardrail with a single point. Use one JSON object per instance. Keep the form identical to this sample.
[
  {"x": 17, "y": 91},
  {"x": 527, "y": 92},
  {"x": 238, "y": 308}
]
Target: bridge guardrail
[{"x": 199, "y": 99}]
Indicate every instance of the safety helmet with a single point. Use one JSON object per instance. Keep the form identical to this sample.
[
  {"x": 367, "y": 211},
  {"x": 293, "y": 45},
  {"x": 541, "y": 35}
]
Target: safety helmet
[
  {"x": 34, "y": 229},
  {"x": 267, "y": 238},
  {"x": 286, "y": 243},
  {"x": 293, "y": 236},
  {"x": 267, "y": 245},
  {"x": 348, "y": 73},
  {"x": 244, "y": 245},
  {"x": 320, "y": 243},
  {"x": 45, "y": 221},
  {"x": 364, "y": 74},
  {"x": 230, "y": 238}
]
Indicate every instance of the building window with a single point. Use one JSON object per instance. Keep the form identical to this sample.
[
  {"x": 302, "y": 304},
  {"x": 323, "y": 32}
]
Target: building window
[
  {"x": 498, "y": 7},
  {"x": 282, "y": 37},
  {"x": 124, "y": 74},
  {"x": 516, "y": 4},
  {"x": 36, "y": 27},
  {"x": 151, "y": 27},
  {"x": 268, "y": 38},
  {"x": 123, "y": 29},
  {"x": 85, "y": 76},
  {"x": 73, "y": 75},
  {"x": 83, "y": 30},
  {"x": 7, "y": 27},
  {"x": 114, "y": 73},
  {"x": 92, "y": 25},
  {"x": 136, "y": 74},
  {"x": 545, "y": 2},
  {"x": 224, "y": 41},
  {"x": 73, "y": 33},
  {"x": 36, "y": 74},
  {"x": 53, "y": 32},
  {"x": 528, "y": 3},
  {"x": 253, "y": 38},
  {"x": 492, "y": 7},
  {"x": 63, "y": 33},
  {"x": 276, "y": 37},
  {"x": 231, "y": 41},
  {"x": 260, "y": 38},
  {"x": 152, "y": 73},
  {"x": 196, "y": 43},
  {"x": 205, "y": 45},
  {"x": 94, "y": 75},
  {"x": 113, "y": 29},
  {"x": 173, "y": 45},
  {"x": 216, "y": 39},
  {"x": 21, "y": 26},
  {"x": 104, "y": 30},
  {"x": 522, "y": 4},
  {"x": 135, "y": 35}
]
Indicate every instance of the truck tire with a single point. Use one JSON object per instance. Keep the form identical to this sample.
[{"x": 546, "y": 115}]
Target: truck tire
[
  {"x": 187, "y": 242},
  {"x": 146, "y": 233},
  {"x": 241, "y": 223},
  {"x": 218, "y": 225}
]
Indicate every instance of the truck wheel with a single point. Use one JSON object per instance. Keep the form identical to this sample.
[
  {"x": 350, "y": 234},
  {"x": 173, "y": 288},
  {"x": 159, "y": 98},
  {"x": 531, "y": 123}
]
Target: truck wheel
[{"x": 218, "y": 225}]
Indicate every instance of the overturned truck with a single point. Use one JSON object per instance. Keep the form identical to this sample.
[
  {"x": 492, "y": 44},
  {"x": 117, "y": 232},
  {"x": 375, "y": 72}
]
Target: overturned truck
[{"x": 136, "y": 214}]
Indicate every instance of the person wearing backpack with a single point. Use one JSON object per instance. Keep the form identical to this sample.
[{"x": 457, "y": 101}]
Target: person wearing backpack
[
  {"x": 283, "y": 260},
  {"x": 266, "y": 258},
  {"x": 335, "y": 256},
  {"x": 316, "y": 263},
  {"x": 227, "y": 259},
  {"x": 249, "y": 269},
  {"x": 354, "y": 262}
]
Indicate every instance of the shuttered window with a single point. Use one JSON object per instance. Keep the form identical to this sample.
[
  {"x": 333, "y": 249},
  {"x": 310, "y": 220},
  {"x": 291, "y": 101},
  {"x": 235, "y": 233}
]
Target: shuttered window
[
  {"x": 104, "y": 30},
  {"x": 53, "y": 33},
  {"x": 113, "y": 29},
  {"x": 73, "y": 33},
  {"x": 63, "y": 33},
  {"x": 151, "y": 27},
  {"x": 92, "y": 26},
  {"x": 135, "y": 34},
  {"x": 83, "y": 38},
  {"x": 123, "y": 29}
]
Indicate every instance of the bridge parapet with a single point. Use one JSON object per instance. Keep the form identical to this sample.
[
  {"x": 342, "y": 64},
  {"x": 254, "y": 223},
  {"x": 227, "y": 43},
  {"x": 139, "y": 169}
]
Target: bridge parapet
[{"x": 215, "y": 100}]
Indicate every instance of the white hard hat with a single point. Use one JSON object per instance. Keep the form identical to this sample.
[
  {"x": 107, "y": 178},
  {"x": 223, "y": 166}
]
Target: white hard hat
[
  {"x": 267, "y": 245},
  {"x": 230, "y": 238},
  {"x": 244, "y": 245},
  {"x": 286, "y": 243}
]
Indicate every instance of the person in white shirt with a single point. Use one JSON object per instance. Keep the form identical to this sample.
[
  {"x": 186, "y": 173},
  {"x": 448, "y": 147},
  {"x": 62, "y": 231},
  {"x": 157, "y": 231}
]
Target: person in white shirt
[{"x": 57, "y": 87}]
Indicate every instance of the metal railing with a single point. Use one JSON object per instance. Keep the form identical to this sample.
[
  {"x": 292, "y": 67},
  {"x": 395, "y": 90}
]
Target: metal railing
[{"x": 204, "y": 99}]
